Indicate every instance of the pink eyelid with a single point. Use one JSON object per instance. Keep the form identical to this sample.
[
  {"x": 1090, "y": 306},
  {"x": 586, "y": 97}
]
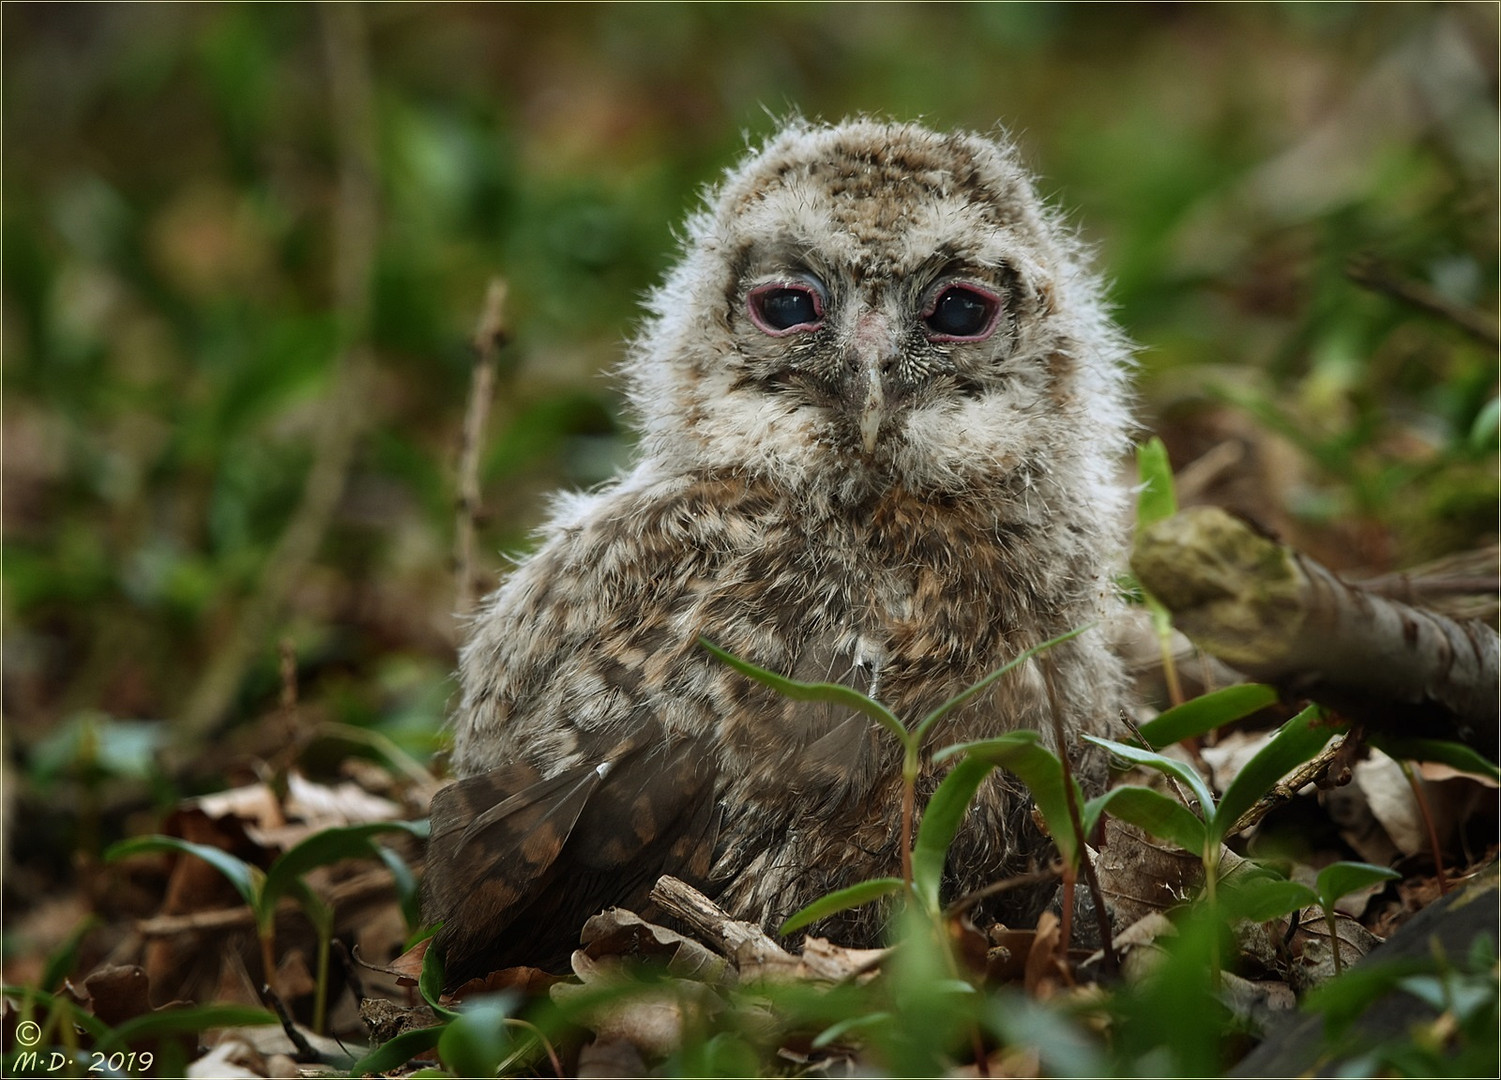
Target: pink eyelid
[
  {"x": 778, "y": 286},
  {"x": 989, "y": 297}
]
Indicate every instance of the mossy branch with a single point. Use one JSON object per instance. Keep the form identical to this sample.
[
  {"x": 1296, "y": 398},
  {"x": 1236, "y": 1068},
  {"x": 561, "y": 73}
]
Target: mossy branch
[{"x": 1282, "y": 618}]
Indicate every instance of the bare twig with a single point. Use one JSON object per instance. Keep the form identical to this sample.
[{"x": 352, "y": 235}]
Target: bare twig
[
  {"x": 305, "y": 1052},
  {"x": 1427, "y": 815},
  {"x": 288, "y": 676},
  {"x": 1378, "y": 277},
  {"x": 736, "y": 938},
  {"x": 490, "y": 336},
  {"x": 1020, "y": 881},
  {"x": 355, "y": 233},
  {"x": 1307, "y": 773}
]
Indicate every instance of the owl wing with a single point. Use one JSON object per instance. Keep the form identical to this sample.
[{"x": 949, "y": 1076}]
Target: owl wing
[{"x": 516, "y": 862}]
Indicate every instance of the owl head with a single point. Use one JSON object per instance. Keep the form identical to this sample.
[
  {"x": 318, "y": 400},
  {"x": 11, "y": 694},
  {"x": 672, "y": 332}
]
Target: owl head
[{"x": 869, "y": 304}]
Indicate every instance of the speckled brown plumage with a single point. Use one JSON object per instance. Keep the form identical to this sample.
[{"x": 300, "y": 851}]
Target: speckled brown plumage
[{"x": 880, "y": 404}]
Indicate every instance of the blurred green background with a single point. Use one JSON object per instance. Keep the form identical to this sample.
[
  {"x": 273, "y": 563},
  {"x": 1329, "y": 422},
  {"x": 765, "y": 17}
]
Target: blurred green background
[{"x": 174, "y": 326}]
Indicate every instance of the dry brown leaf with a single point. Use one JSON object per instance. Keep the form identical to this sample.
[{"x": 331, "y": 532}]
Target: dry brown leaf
[
  {"x": 1140, "y": 875},
  {"x": 254, "y": 804},
  {"x": 618, "y": 932},
  {"x": 1137, "y": 945},
  {"x": 1312, "y": 952},
  {"x": 653, "y": 1020},
  {"x": 1045, "y": 975},
  {"x": 530, "y": 981},
  {"x": 119, "y": 993},
  {"x": 408, "y": 966},
  {"x": 234, "y": 1058}
]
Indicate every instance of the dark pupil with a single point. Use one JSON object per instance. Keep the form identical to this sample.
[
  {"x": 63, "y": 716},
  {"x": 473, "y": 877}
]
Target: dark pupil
[
  {"x": 785, "y": 308},
  {"x": 959, "y": 313}
]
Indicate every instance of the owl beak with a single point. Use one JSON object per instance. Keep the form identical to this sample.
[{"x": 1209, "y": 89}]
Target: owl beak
[{"x": 873, "y": 349}]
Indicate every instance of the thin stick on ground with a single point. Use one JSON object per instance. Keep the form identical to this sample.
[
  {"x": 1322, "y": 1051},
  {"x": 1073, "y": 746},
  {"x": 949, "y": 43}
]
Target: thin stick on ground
[
  {"x": 1286, "y": 790},
  {"x": 1416, "y": 784},
  {"x": 490, "y": 336}
]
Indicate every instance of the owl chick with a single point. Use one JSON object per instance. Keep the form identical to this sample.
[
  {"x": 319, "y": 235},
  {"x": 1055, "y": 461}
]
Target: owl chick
[{"x": 880, "y": 402}]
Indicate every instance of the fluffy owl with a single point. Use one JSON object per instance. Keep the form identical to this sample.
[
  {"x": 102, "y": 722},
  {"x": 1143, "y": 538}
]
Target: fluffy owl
[{"x": 880, "y": 403}]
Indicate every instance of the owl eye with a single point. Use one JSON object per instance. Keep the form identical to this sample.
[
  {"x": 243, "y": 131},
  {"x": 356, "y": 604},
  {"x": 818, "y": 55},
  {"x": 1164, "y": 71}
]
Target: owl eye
[
  {"x": 785, "y": 308},
  {"x": 961, "y": 313}
]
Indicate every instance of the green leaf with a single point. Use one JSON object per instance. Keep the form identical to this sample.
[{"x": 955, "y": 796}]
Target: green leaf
[
  {"x": 324, "y": 847},
  {"x": 1264, "y": 896},
  {"x": 940, "y": 821},
  {"x": 1207, "y": 712},
  {"x": 394, "y": 1053},
  {"x": 248, "y": 880},
  {"x": 1157, "y": 500},
  {"x": 964, "y": 695},
  {"x": 833, "y": 693},
  {"x": 1184, "y": 774},
  {"x": 1483, "y": 431},
  {"x": 1161, "y": 815},
  {"x": 173, "y": 1021},
  {"x": 842, "y": 900},
  {"x": 1453, "y": 754},
  {"x": 477, "y": 1040},
  {"x": 430, "y": 982},
  {"x": 408, "y": 893},
  {"x": 1342, "y": 878},
  {"x": 1021, "y": 753},
  {"x": 834, "y": 1032},
  {"x": 1295, "y": 743}
]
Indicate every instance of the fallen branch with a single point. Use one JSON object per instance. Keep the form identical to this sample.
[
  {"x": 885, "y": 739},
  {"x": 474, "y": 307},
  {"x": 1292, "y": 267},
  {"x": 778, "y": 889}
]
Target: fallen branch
[
  {"x": 1282, "y": 618},
  {"x": 736, "y": 938}
]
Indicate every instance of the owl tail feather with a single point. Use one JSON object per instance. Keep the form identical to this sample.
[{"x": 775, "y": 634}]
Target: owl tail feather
[
  {"x": 516, "y": 863},
  {"x": 495, "y": 838}
]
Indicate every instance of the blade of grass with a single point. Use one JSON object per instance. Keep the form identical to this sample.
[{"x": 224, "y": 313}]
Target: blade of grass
[
  {"x": 842, "y": 900},
  {"x": 1176, "y": 769},
  {"x": 1207, "y": 712},
  {"x": 1161, "y": 815},
  {"x": 940, "y": 822},
  {"x": 249, "y": 881},
  {"x": 964, "y": 695},
  {"x": 832, "y": 693}
]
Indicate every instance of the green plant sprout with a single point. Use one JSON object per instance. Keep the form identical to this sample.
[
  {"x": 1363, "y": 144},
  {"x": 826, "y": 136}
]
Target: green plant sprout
[
  {"x": 1204, "y": 832},
  {"x": 262, "y": 889},
  {"x": 1262, "y": 896}
]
